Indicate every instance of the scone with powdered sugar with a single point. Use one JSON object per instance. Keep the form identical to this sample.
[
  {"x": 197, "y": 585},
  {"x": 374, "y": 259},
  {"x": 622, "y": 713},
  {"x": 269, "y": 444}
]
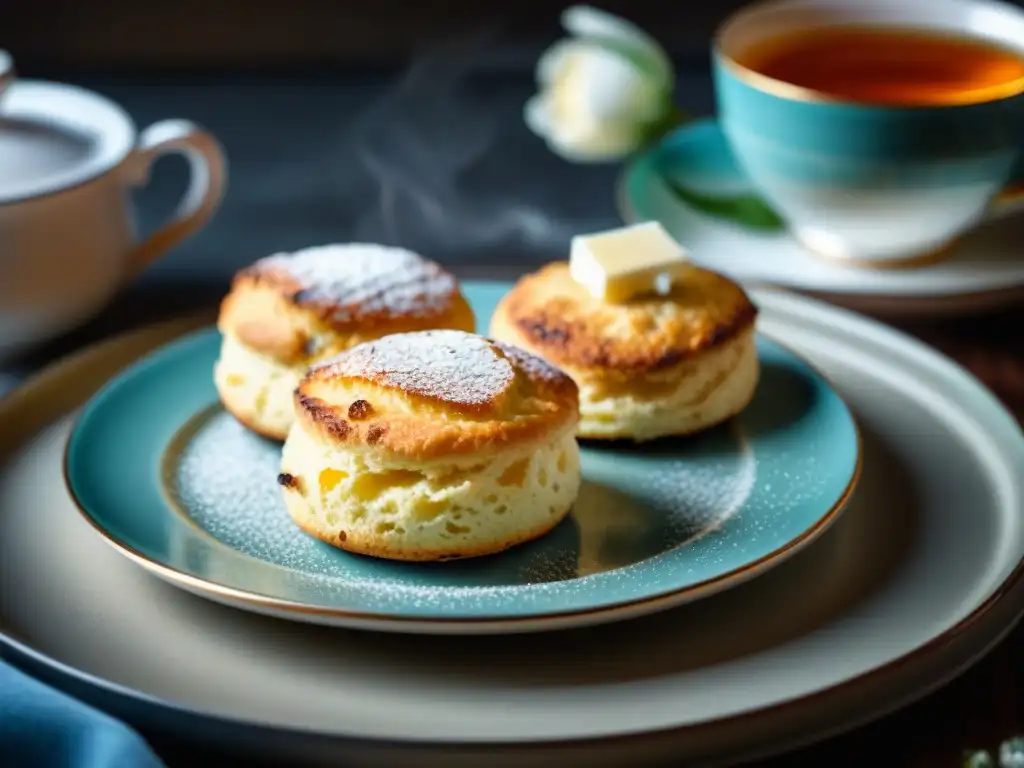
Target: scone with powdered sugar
[
  {"x": 432, "y": 445},
  {"x": 287, "y": 311}
]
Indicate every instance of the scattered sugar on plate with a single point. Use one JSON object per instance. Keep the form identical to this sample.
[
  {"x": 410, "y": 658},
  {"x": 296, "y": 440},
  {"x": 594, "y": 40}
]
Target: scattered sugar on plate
[{"x": 626, "y": 528}]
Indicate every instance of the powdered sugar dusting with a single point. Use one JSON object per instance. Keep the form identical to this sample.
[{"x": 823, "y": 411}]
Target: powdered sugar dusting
[
  {"x": 533, "y": 366},
  {"x": 451, "y": 366},
  {"x": 630, "y": 512},
  {"x": 360, "y": 279},
  {"x": 650, "y": 519}
]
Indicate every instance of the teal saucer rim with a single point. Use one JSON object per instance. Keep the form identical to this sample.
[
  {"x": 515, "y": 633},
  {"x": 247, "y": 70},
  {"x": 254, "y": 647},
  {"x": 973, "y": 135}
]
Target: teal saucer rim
[
  {"x": 645, "y": 163},
  {"x": 623, "y": 206},
  {"x": 261, "y": 602}
]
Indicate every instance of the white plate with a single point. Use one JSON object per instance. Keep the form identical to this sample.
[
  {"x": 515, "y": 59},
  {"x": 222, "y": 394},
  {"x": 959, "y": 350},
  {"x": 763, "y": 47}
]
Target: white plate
[
  {"x": 984, "y": 271},
  {"x": 918, "y": 579}
]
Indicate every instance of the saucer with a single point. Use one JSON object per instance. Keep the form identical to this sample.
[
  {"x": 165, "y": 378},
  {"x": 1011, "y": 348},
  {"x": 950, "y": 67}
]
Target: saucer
[
  {"x": 983, "y": 271},
  {"x": 173, "y": 482}
]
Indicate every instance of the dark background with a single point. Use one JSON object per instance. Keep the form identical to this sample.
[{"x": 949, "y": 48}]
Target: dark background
[{"x": 261, "y": 35}]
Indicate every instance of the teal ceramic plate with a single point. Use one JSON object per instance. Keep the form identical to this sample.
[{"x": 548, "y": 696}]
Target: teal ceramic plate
[
  {"x": 173, "y": 482},
  {"x": 985, "y": 263}
]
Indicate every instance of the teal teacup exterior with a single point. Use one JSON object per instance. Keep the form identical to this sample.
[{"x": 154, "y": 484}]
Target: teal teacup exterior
[{"x": 859, "y": 182}]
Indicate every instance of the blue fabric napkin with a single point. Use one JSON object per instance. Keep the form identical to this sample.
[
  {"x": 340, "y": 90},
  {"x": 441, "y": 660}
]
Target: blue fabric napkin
[{"x": 43, "y": 728}]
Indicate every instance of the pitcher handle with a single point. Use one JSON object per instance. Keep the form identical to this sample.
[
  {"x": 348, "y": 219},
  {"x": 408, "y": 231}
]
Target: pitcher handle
[{"x": 207, "y": 183}]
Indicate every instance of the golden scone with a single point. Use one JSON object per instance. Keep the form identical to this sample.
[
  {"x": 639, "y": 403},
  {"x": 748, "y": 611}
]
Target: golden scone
[
  {"x": 432, "y": 445},
  {"x": 287, "y": 311},
  {"x": 647, "y": 368}
]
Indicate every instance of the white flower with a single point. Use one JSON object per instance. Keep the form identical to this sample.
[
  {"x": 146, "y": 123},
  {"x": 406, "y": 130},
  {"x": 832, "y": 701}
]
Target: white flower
[{"x": 601, "y": 89}]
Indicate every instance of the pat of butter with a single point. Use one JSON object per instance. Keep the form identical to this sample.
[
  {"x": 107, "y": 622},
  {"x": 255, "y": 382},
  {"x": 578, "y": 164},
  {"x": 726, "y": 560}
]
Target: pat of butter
[{"x": 621, "y": 264}]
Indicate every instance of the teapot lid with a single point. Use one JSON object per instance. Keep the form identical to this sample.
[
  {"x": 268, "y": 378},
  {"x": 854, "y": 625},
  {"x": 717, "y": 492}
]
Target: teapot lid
[{"x": 55, "y": 136}]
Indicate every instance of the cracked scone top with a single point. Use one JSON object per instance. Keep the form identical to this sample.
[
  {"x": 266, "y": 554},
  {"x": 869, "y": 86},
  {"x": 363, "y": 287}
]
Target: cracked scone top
[
  {"x": 432, "y": 445},
  {"x": 289, "y": 310},
  {"x": 325, "y": 299},
  {"x": 553, "y": 315},
  {"x": 650, "y": 367},
  {"x": 436, "y": 395}
]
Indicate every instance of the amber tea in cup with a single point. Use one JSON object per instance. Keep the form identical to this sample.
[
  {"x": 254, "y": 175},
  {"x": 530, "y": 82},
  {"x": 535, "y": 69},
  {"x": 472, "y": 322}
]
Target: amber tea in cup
[
  {"x": 881, "y": 131},
  {"x": 890, "y": 66}
]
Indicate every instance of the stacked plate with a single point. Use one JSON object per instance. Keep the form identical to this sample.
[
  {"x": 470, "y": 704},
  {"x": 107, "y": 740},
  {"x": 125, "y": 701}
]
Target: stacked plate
[{"x": 853, "y": 539}]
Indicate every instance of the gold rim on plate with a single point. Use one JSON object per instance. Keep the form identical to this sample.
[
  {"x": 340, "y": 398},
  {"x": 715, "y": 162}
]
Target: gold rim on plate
[{"x": 650, "y": 604}]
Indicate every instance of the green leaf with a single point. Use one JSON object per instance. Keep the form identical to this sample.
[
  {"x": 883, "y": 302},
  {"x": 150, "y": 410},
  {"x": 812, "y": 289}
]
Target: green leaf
[
  {"x": 672, "y": 117},
  {"x": 747, "y": 210}
]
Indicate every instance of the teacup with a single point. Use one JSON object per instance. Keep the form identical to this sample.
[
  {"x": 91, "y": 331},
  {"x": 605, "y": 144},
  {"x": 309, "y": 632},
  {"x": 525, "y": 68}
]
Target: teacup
[
  {"x": 871, "y": 183},
  {"x": 68, "y": 159}
]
